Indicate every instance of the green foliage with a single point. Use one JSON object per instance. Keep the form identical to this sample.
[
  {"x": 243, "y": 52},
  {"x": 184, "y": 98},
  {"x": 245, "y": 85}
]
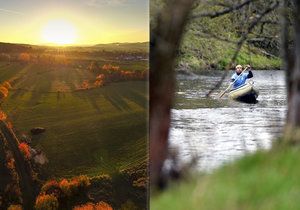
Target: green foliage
[{"x": 205, "y": 43}]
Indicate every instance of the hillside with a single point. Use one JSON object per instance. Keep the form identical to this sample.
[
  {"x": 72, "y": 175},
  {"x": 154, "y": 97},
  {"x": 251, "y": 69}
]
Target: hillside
[
  {"x": 92, "y": 108},
  {"x": 209, "y": 43},
  {"x": 142, "y": 47}
]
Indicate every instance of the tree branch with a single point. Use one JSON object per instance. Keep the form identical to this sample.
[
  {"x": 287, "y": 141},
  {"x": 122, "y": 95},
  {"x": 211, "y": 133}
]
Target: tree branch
[
  {"x": 240, "y": 44},
  {"x": 165, "y": 40},
  {"x": 222, "y": 12}
]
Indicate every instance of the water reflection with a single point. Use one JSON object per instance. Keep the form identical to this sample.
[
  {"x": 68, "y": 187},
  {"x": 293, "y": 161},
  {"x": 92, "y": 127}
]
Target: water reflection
[{"x": 220, "y": 130}]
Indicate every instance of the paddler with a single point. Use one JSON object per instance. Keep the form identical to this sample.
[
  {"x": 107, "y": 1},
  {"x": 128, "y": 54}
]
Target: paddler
[{"x": 240, "y": 79}]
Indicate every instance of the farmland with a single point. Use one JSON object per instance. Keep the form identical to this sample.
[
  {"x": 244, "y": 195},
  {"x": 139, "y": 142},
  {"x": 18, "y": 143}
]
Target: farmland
[{"x": 90, "y": 128}]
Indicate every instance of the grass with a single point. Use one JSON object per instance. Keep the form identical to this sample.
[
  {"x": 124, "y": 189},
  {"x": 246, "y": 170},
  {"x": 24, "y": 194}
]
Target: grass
[
  {"x": 266, "y": 180},
  {"x": 257, "y": 60},
  {"x": 216, "y": 55},
  {"x": 101, "y": 130},
  {"x": 205, "y": 53}
]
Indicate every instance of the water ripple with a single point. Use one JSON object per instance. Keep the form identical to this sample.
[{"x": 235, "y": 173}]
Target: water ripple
[{"x": 222, "y": 130}]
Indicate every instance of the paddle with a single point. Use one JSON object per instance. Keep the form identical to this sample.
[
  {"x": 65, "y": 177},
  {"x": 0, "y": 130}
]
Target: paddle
[{"x": 220, "y": 96}]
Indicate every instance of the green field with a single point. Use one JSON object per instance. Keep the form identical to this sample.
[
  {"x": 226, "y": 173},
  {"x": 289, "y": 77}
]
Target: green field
[{"x": 100, "y": 130}]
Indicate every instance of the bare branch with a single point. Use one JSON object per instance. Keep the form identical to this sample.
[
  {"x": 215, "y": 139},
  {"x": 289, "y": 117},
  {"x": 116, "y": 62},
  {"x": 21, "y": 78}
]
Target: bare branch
[
  {"x": 241, "y": 42},
  {"x": 165, "y": 40},
  {"x": 222, "y": 12}
]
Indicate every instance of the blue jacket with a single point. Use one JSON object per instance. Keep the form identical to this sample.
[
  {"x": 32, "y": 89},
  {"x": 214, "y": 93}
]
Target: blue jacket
[{"x": 241, "y": 80}]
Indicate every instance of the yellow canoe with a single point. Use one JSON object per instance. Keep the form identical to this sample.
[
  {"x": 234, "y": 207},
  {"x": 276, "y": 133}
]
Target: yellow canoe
[{"x": 246, "y": 93}]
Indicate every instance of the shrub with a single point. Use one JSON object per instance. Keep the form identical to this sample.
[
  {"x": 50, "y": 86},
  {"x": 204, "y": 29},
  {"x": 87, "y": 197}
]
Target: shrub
[
  {"x": 85, "y": 85},
  {"x": 24, "y": 57},
  {"x": 13, "y": 192},
  {"x": 9, "y": 124},
  {"x": 140, "y": 182},
  {"x": 88, "y": 206},
  {"x": 77, "y": 184},
  {"x": 10, "y": 163},
  {"x": 2, "y": 115},
  {"x": 3, "y": 92},
  {"x": 100, "y": 79},
  {"x": 103, "y": 206},
  {"x": 98, "y": 206},
  {"x": 52, "y": 187},
  {"x": 46, "y": 202},
  {"x": 6, "y": 84},
  {"x": 93, "y": 66},
  {"x": 129, "y": 205},
  {"x": 109, "y": 67},
  {"x": 15, "y": 207},
  {"x": 83, "y": 181},
  {"x": 25, "y": 149},
  {"x": 66, "y": 187}
]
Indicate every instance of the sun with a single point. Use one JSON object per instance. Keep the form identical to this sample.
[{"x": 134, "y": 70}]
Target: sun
[{"x": 59, "y": 32}]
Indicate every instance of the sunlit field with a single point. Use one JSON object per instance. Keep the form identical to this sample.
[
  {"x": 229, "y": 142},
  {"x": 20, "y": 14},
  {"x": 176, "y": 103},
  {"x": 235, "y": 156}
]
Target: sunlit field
[{"x": 92, "y": 103}]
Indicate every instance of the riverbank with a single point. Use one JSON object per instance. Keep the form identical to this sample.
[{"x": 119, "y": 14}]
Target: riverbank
[
  {"x": 264, "y": 180},
  {"x": 198, "y": 54}
]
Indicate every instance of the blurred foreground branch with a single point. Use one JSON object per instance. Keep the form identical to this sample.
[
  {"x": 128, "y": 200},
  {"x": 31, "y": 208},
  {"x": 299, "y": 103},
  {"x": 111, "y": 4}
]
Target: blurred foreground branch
[{"x": 165, "y": 40}]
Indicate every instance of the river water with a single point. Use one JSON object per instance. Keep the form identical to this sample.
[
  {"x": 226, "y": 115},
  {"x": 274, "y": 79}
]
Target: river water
[{"x": 222, "y": 130}]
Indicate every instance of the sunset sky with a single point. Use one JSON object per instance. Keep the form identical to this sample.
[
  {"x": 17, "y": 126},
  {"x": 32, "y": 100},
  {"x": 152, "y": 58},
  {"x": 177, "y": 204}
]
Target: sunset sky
[{"x": 78, "y": 22}]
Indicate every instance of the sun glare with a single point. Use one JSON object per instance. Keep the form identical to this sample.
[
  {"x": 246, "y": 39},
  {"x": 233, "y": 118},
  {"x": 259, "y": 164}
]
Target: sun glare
[{"x": 59, "y": 32}]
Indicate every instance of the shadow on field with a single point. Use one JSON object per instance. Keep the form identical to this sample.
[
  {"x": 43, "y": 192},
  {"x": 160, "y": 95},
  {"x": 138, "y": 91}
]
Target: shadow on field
[
  {"x": 89, "y": 95},
  {"x": 137, "y": 98},
  {"x": 116, "y": 99}
]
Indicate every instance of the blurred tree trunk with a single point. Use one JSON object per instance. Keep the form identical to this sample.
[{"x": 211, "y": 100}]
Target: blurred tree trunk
[
  {"x": 287, "y": 59},
  {"x": 165, "y": 40},
  {"x": 293, "y": 79}
]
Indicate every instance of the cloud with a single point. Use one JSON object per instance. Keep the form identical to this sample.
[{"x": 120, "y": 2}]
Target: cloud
[{"x": 11, "y": 12}]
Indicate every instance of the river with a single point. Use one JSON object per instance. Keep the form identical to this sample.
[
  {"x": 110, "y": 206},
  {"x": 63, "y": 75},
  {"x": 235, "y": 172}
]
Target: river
[{"x": 221, "y": 130}]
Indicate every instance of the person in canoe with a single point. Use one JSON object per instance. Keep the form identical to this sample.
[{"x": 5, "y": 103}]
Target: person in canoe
[{"x": 238, "y": 79}]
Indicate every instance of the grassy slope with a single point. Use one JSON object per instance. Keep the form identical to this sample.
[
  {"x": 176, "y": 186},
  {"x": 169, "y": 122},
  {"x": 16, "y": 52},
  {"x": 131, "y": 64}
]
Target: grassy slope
[
  {"x": 264, "y": 180},
  {"x": 199, "y": 52},
  {"x": 202, "y": 53},
  {"x": 88, "y": 132}
]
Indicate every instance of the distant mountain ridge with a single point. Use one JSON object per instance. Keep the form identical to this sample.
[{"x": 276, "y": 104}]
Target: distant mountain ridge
[
  {"x": 132, "y": 47},
  {"x": 123, "y": 44},
  {"x": 95, "y": 45}
]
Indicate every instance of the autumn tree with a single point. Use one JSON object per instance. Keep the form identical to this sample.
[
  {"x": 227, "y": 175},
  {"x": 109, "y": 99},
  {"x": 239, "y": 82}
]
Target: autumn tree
[
  {"x": 24, "y": 57},
  {"x": 25, "y": 149},
  {"x": 90, "y": 206},
  {"x": 46, "y": 202}
]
